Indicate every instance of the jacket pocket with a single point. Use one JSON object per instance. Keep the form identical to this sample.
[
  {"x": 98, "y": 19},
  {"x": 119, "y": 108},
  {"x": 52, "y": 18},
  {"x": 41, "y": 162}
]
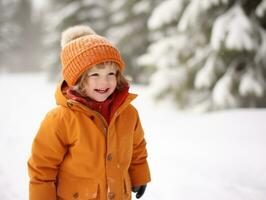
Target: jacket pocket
[{"x": 69, "y": 188}]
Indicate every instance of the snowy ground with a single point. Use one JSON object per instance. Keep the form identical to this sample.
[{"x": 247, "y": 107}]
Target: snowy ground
[{"x": 216, "y": 156}]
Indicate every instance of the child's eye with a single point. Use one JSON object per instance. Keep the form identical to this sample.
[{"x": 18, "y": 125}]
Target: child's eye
[
  {"x": 94, "y": 74},
  {"x": 112, "y": 74}
]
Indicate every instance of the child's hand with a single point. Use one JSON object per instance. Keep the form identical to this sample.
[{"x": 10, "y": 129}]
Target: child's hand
[{"x": 139, "y": 190}]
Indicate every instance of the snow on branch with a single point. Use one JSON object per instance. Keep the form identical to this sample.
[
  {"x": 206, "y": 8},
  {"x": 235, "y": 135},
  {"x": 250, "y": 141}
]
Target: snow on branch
[
  {"x": 262, "y": 49},
  {"x": 165, "y": 13},
  {"x": 192, "y": 12},
  {"x": 222, "y": 95},
  {"x": 207, "y": 76},
  {"x": 234, "y": 29},
  {"x": 261, "y": 9},
  {"x": 206, "y": 4},
  {"x": 63, "y": 13},
  {"x": 164, "y": 52},
  {"x": 164, "y": 80},
  {"x": 252, "y": 83}
]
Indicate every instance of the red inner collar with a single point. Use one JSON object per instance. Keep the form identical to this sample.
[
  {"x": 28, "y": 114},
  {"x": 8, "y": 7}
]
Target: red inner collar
[{"x": 106, "y": 108}]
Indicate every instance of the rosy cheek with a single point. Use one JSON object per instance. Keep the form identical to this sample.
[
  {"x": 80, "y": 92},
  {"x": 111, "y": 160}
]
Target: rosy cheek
[{"x": 114, "y": 84}]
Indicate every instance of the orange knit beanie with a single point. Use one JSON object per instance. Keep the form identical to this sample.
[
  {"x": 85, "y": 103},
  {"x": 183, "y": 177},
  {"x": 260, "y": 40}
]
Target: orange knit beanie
[{"x": 82, "y": 49}]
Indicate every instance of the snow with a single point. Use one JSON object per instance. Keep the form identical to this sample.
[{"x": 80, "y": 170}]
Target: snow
[
  {"x": 208, "y": 70},
  {"x": 118, "y": 17},
  {"x": 63, "y": 13},
  {"x": 262, "y": 49},
  {"x": 163, "y": 53},
  {"x": 214, "y": 156},
  {"x": 115, "y": 34},
  {"x": 189, "y": 34},
  {"x": 207, "y": 4},
  {"x": 165, "y": 13},
  {"x": 141, "y": 7},
  {"x": 189, "y": 16},
  {"x": 234, "y": 29},
  {"x": 193, "y": 11},
  {"x": 252, "y": 84},
  {"x": 261, "y": 8},
  {"x": 176, "y": 78},
  {"x": 117, "y": 4},
  {"x": 39, "y": 4},
  {"x": 223, "y": 91}
]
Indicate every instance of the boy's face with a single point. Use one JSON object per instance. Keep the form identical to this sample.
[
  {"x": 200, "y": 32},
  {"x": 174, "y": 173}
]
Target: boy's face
[{"x": 101, "y": 82}]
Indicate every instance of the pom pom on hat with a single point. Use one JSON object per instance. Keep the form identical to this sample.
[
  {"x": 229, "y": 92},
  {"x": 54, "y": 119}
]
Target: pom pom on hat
[
  {"x": 82, "y": 49},
  {"x": 75, "y": 32}
]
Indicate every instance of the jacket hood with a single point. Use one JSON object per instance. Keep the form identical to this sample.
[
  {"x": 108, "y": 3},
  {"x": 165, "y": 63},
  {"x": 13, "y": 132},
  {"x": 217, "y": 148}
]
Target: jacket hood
[{"x": 60, "y": 94}]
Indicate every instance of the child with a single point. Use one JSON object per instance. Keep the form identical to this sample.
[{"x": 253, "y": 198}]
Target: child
[{"x": 91, "y": 146}]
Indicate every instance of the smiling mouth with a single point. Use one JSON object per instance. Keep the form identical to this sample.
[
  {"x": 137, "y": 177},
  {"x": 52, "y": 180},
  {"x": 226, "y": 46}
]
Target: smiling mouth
[{"x": 102, "y": 91}]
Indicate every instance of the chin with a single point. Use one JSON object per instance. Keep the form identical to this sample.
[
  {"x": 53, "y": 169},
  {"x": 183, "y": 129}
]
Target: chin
[{"x": 100, "y": 100}]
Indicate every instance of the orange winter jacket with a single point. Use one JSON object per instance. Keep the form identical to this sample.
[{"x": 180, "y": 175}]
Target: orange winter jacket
[{"x": 77, "y": 155}]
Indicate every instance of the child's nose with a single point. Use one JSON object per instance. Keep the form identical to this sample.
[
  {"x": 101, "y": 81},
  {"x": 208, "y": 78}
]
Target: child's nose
[{"x": 104, "y": 80}]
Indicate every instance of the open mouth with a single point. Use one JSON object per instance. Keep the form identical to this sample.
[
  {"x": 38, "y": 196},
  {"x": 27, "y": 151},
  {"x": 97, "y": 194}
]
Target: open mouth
[{"x": 102, "y": 91}]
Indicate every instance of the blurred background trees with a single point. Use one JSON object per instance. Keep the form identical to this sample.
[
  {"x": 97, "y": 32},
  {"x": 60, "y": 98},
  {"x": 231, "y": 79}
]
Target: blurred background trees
[
  {"x": 7, "y": 27},
  {"x": 21, "y": 37},
  {"x": 208, "y": 55},
  {"x": 128, "y": 30},
  {"x": 200, "y": 54}
]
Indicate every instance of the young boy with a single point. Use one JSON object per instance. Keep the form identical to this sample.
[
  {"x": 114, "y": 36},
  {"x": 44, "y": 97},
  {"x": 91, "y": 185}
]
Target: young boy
[{"x": 91, "y": 146}]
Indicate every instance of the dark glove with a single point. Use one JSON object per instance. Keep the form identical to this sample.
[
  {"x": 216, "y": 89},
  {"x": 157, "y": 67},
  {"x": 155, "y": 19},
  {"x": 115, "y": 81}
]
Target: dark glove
[{"x": 139, "y": 190}]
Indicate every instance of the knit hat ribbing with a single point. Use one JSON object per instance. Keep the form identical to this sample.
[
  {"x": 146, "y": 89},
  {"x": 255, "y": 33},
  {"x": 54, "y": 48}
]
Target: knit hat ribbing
[{"x": 82, "y": 49}]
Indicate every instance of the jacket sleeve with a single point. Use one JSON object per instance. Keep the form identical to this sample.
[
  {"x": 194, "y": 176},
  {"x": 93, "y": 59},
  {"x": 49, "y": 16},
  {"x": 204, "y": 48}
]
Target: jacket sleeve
[
  {"x": 139, "y": 170},
  {"x": 48, "y": 150}
]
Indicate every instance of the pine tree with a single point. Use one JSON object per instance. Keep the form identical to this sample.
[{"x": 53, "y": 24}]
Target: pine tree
[
  {"x": 209, "y": 54},
  {"x": 8, "y": 29},
  {"x": 20, "y": 34},
  {"x": 25, "y": 55},
  {"x": 128, "y": 30}
]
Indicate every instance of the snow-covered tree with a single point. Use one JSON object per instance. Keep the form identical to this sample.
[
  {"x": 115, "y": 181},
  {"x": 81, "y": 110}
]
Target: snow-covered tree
[
  {"x": 20, "y": 34},
  {"x": 65, "y": 13},
  {"x": 129, "y": 30},
  {"x": 26, "y": 54},
  {"x": 7, "y": 27},
  {"x": 208, "y": 54}
]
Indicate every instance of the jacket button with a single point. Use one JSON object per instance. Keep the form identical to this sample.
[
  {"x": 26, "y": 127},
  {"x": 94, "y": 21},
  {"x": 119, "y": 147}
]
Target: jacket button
[
  {"x": 111, "y": 195},
  {"x": 109, "y": 157},
  {"x": 76, "y": 195}
]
